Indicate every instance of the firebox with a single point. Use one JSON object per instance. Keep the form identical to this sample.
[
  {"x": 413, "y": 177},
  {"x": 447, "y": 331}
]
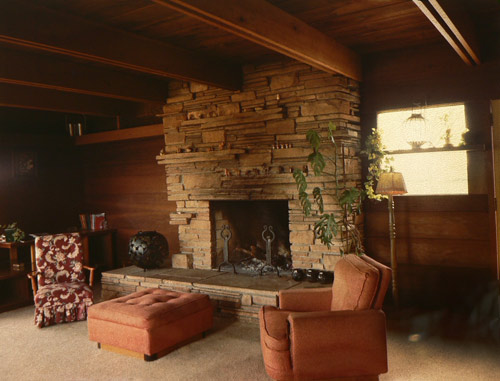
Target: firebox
[{"x": 255, "y": 234}]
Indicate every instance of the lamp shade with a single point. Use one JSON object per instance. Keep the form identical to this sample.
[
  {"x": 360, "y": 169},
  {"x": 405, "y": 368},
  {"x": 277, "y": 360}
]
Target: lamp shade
[{"x": 391, "y": 183}]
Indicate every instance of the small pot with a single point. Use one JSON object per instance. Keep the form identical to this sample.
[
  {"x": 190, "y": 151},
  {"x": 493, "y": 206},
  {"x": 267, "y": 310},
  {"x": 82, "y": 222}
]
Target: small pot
[
  {"x": 9, "y": 234},
  {"x": 312, "y": 275},
  {"x": 298, "y": 274},
  {"x": 325, "y": 277}
]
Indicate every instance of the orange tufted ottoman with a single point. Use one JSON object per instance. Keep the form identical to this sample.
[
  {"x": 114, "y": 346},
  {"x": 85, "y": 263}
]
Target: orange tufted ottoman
[{"x": 149, "y": 323}]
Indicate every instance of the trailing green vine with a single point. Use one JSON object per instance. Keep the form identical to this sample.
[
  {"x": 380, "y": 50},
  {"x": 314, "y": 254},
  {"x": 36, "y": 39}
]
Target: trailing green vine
[{"x": 377, "y": 162}]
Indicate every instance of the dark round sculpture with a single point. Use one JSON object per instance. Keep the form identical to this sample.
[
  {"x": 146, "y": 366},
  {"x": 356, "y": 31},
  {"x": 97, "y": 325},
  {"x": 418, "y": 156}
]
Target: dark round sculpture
[{"x": 148, "y": 250}]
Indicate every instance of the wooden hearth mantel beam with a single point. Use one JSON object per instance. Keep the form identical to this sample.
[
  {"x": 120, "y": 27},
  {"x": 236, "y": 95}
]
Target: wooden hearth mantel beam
[
  {"x": 35, "y": 27},
  {"x": 454, "y": 26},
  {"x": 49, "y": 72},
  {"x": 36, "y": 98},
  {"x": 273, "y": 28}
]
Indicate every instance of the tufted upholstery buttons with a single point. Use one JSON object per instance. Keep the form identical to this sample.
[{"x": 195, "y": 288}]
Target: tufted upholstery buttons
[
  {"x": 151, "y": 320},
  {"x": 150, "y": 307}
]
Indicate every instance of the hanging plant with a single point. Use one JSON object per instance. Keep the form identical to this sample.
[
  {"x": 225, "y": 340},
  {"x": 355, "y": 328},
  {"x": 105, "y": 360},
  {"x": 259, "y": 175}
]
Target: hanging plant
[
  {"x": 329, "y": 225},
  {"x": 378, "y": 162}
]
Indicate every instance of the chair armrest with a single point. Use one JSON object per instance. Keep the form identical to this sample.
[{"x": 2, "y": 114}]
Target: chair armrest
[
  {"x": 32, "y": 276},
  {"x": 306, "y": 299},
  {"x": 91, "y": 276},
  {"x": 338, "y": 343}
]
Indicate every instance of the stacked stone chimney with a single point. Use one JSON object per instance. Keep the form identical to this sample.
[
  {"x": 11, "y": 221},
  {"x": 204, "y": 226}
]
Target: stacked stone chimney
[{"x": 244, "y": 145}]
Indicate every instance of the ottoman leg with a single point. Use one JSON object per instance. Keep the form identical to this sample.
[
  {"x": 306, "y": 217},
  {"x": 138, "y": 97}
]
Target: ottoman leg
[{"x": 151, "y": 358}]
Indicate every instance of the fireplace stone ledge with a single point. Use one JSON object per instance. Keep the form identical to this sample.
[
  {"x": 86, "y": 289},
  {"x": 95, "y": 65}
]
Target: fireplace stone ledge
[{"x": 239, "y": 296}]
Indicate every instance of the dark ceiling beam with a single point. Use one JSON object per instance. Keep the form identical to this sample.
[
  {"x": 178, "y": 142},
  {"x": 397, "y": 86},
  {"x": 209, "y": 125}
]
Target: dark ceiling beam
[
  {"x": 36, "y": 98},
  {"x": 36, "y": 27},
  {"x": 454, "y": 26},
  {"x": 275, "y": 29},
  {"x": 50, "y": 72}
]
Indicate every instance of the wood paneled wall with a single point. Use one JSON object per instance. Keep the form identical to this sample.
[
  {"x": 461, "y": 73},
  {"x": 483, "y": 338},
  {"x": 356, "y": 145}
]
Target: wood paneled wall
[
  {"x": 123, "y": 180},
  {"x": 432, "y": 230},
  {"x": 441, "y": 240},
  {"x": 49, "y": 199}
]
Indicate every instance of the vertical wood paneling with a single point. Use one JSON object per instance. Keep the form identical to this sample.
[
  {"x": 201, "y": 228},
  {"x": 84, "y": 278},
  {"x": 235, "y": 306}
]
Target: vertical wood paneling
[
  {"x": 47, "y": 201},
  {"x": 123, "y": 180}
]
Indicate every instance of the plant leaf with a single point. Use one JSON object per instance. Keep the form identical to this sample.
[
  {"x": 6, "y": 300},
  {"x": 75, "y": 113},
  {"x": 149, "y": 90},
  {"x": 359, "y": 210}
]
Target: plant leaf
[
  {"x": 300, "y": 180},
  {"x": 305, "y": 203},
  {"x": 326, "y": 228},
  {"x": 318, "y": 198},
  {"x": 317, "y": 161},
  {"x": 314, "y": 139}
]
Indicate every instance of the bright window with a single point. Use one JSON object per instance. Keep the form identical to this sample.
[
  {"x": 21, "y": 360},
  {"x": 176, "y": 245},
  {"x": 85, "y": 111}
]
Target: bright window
[{"x": 440, "y": 165}]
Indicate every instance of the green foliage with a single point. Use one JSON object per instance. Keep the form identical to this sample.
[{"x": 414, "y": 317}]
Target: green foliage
[
  {"x": 348, "y": 199},
  {"x": 326, "y": 228},
  {"x": 316, "y": 159},
  {"x": 377, "y": 160},
  {"x": 318, "y": 199},
  {"x": 301, "y": 182},
  {"x": 18, "y": 234},
  {"x": 314, "y": 139},
  {"x": 329, "y": 225}
]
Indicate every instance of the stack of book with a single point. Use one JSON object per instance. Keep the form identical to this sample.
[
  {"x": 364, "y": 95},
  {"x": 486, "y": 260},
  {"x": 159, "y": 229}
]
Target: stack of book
[{"x": 93, "y": 221}]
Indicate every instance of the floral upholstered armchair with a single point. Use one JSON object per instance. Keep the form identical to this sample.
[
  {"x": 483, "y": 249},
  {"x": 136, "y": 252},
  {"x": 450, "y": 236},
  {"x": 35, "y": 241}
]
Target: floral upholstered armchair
[{"x": 59, "y": 288}]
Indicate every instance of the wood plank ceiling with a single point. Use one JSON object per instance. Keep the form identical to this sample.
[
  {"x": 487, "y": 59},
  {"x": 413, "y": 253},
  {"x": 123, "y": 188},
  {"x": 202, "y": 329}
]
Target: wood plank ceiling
[{"x": 115, "y": 57}]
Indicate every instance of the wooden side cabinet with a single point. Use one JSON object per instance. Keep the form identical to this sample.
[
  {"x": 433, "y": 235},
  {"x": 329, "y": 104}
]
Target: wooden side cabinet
[{"x": 14, "y": 285}]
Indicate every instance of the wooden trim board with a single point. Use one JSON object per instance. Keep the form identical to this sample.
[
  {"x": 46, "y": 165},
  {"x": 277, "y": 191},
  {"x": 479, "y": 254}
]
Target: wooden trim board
[{"x": 117, "y": 135}]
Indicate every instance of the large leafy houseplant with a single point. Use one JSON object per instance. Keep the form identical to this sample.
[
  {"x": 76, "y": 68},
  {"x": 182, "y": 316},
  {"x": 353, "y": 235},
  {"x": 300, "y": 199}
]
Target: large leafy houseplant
[{"x": 328, "y": 225}]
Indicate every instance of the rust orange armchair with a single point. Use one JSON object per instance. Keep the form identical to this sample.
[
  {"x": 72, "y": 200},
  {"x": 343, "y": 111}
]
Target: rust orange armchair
[{"x": 327, "y": 333}]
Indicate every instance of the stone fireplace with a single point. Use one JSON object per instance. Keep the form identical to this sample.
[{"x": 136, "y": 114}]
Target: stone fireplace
[
  {"x": 223, "y": 146},
  {"x": 250, "y": 225}
]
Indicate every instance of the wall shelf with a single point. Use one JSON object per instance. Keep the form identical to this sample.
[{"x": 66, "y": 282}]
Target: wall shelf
[
  {"x": 477, "y": 147},
  {"x": 122, "y": 134}
]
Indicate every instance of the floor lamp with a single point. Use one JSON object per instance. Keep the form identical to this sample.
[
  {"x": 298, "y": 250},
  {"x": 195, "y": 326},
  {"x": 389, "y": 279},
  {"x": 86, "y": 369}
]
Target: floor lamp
[{"x": 392, "y": 184}]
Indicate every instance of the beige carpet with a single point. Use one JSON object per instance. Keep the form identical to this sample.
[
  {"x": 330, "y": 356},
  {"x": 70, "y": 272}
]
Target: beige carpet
[{"x": 230, "y": 352}]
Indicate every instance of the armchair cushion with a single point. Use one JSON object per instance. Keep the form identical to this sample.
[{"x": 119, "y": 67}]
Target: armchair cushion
[
  {"x": 356, "y": 284},
  {"x": 59, "y": 259},
  {"x": 306, "y": 299},
  {"x": 62, "y": 302},
  {"x": 338, "y": 343}
]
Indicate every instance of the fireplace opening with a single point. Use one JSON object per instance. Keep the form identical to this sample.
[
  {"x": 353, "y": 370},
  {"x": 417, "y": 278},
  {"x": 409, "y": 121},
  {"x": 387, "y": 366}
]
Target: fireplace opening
[{"x": 251, "y": 228}]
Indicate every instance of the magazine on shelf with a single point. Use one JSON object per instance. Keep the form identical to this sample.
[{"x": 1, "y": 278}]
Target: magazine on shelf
[{"x": 98, "y": 221}]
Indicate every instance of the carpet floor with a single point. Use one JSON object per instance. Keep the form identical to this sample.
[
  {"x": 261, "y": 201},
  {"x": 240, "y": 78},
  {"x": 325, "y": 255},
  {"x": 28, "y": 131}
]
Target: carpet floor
[{"x": 230, "y": 352}]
